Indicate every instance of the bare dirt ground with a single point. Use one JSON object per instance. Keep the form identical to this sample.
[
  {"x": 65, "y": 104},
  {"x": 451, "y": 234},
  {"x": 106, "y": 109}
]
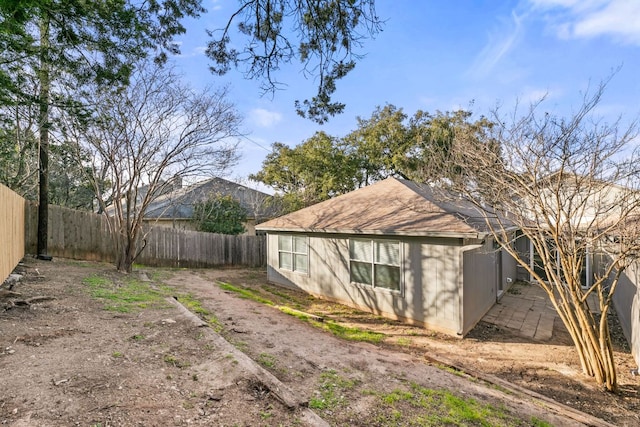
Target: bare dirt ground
[{"x": 75, "y": 358}]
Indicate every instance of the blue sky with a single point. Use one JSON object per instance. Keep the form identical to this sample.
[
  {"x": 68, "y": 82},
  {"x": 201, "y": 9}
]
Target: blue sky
[{"x": 444, "y": 55}]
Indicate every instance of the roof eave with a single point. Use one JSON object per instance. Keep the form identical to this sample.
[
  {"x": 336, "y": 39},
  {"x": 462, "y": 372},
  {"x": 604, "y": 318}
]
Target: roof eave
[{"x": 408, "y": 233}]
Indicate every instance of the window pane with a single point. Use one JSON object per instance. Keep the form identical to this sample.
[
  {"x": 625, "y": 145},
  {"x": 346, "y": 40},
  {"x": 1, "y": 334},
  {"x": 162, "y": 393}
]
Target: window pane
[
  {"x": 387, "y": 252},
  {"x": 361, "y": 272},
  {"x": 387, "y": 277},
  {"x": 300, "y": 244},
  {"x": 286, "y": 261},
  {"x": 300, "y": 263},
  {"x": 284, "y": 243},
  {"x": 360, "y": 250}
]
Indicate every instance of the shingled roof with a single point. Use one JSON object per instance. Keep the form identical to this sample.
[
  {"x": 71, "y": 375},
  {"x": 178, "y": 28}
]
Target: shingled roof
[
  {"x": 179, "y": 204},
  {"x": 389, "y": 207}
]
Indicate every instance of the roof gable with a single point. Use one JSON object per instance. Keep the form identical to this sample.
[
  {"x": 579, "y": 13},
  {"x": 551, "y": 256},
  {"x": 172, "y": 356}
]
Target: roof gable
[
  {"x": 390, "y": 207},
  {"x": 179, "y": 204}
]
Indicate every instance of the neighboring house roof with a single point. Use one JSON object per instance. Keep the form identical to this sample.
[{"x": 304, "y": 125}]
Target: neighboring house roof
[
  {"x": 389, "y": 207},
  {"x": 179, "y": 203}
]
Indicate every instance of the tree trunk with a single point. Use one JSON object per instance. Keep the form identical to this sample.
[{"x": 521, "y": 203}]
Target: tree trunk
[
  {"x": 591, "y": 339},
  {"x": 125, "y": 259},
  {"x": 43, "y": 125},
  {"x": 126, "y": 251}
]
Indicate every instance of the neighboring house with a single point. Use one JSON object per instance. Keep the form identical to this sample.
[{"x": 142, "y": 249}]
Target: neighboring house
[
  {"x": 583, "y": 202},
  {"x": 175, "y": 209},
  {"x": 588, "y": 203},
  {"x": 393, "y": 249}
]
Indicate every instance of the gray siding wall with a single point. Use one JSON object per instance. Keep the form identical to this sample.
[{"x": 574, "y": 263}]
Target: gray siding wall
[
  {"x": 430, "y": 272},
  {"x": 626, "y": 301},
  {"x": 509, "y": 270},
  {"x": 480, "y": 283},
  {"x": 434, "y": 283},
  {"x": 484, "y": 267}
]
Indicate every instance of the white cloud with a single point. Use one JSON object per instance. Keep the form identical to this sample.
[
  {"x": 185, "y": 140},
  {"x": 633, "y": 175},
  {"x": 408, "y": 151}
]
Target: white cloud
[
  {"x": 264, "y": 118},
  {"x": 215, "y": 5},
  {"x": 617, "y": 19},
  {"x": 501, "y": 43}
]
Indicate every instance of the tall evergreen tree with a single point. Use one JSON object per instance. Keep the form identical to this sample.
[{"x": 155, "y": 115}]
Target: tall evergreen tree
[
  {"x": 323, "y": 35},
  {"x": 64, "y": 45}
]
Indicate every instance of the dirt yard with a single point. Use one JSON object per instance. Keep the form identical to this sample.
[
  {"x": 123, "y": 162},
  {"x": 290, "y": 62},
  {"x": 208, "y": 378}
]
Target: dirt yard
[{"x": 83, "y": 345}]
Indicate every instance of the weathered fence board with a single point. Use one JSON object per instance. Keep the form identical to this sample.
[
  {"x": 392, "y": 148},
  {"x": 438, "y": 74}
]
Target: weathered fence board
[
  {"x": 85, "y": 235},
  {"x": 72, "y": 234},
  {"x": 12, "y": 237},
  {"x": 183, "y": 248}
]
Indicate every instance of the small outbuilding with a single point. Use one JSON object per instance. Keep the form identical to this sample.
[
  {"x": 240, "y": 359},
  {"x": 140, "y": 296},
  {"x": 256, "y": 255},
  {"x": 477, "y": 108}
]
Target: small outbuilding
[{"x": 394, "y": 249}]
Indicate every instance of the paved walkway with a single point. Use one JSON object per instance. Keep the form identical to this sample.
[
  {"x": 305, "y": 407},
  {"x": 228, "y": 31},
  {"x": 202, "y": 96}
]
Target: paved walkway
[{"x": 526, "y": 309}]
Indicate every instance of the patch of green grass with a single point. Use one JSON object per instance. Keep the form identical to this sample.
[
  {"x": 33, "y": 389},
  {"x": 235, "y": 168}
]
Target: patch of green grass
[
  {"x": 96, "y": 281},
  {"x": 265, "y": 415},
  {"x": 345, "y": 332},
  {"x": 195, "y": 306},
  {"x": 351, "y": 333},
  {"x": 280, "y": 294},
  {"x": 173, "y": 360},
  {"x": 421, "y": 406},
  {"x": 396, "y": 396},
  {"x": 130, "y": 295},
  {"x": 295, "y": 313},
  {"x": 232, "y": 359},
  {"x": 134, "y": 294},
  {"x": 117, "y": 354},
  {"x": 331, "y": 391},
  {"x": 452, "y": 370},
  {"x": 241, "y": 345},
  {"x": 138, "y": 337},
  {"x": 404, "y": 341},
  {"x": 267, "y": 360},
  {"x": 245, "y": 293},
  {"x": 159, "y": 276},
  {"x": 536, "y": 422}
]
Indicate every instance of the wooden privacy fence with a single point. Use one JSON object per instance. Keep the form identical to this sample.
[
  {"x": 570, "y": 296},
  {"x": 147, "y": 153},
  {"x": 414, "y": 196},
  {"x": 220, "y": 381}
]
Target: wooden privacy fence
[
  {"x": 168, "y": 247},
  {"x": 72, "y": 234},
  {"x": 85, "y": 235},
  {"x": 12, "y": 230}
]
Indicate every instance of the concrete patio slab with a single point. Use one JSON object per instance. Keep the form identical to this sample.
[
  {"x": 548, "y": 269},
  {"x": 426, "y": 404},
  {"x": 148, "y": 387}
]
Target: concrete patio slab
[{"x": 526, "y": 309}]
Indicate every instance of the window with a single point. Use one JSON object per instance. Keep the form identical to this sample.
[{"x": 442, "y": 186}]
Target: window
[
  {"x": 293, "y": 253},
  {"x": 375, "y": 263}
]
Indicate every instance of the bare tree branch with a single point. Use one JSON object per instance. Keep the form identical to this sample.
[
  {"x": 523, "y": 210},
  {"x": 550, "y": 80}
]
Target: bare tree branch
[
  {"x": 571, "y": 187},
  {"x": 143, "y": 135}
]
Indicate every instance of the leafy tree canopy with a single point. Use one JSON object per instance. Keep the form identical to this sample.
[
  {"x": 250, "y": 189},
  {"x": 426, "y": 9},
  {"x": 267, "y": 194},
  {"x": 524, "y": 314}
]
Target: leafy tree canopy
[
  {"x": 84, "y": 41},
  {"x": 70, "y": 183},
  {"x": 389, "y": 143},
  {"x": 220, "y": 214},
  {"x": 323, "y": 35},
  {"x": 313, "y": 171},
  {"x": 61, "y": 47}
]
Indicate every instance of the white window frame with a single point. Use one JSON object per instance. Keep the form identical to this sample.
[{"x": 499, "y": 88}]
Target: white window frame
[
  {"x": 295, "y": 253},
  {"x": 373, "y": 262}
]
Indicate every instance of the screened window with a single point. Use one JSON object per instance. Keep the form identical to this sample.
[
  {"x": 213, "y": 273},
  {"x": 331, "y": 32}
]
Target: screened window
[
  {"x": 375, "y": 263},
  {"x": 293, "y": 253}
]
